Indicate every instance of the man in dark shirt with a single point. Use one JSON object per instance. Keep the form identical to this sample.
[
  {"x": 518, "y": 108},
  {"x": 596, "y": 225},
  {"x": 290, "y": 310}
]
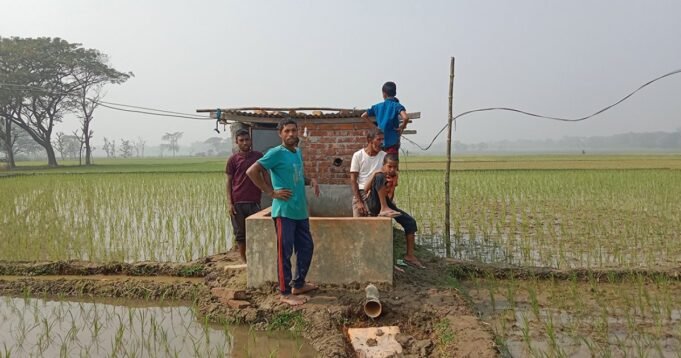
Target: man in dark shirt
[
  {"x": 243, "y": 197},
  {"x": 379, "y": 202}
]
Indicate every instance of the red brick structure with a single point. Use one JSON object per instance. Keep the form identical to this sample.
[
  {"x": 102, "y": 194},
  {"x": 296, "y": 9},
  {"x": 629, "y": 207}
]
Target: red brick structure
[
  {"x": 329, "y": 136},
  {"x": 326, "y": 143}
]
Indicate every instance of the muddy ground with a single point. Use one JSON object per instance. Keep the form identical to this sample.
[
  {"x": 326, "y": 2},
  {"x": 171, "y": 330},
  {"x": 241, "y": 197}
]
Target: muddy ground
[{"x": 434, "y": 319}]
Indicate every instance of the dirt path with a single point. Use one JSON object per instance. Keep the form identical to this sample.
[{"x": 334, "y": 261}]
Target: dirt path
[{"x": 433, "y": 318}]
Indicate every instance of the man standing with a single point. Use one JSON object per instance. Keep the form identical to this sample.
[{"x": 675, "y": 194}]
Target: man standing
[
  {"x": 364, "y": 163},
  {"x": 289, "y": 210},
  {"x": 243, "y": 197}
]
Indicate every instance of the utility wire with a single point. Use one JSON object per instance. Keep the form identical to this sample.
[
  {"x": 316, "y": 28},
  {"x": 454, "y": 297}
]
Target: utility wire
[
  {"x": 114, "y": 106},
  {"x": 542, "y": 116},
  {"x": 164, "y": 113}
]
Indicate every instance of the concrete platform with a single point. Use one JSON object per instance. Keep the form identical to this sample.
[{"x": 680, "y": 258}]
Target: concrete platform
[
  {"x": 375, "y": 342},
  {"x": 347, "y": 250}
]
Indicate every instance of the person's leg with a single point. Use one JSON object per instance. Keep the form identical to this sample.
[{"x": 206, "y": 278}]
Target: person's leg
[
  {"x": 239, "y": 226},
  {"x": 409, "y": 225},
  {"x": 380, "y": 193},
  {"x": 355, "y": 208},
  {"x": 247, "y": 209},
  {"x": 285, "y": 240},
  {"x": 304, "y": 250}
]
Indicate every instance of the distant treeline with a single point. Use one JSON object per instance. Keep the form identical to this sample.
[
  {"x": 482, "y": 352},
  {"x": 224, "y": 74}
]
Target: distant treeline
[{"x": 627, "y": 142}]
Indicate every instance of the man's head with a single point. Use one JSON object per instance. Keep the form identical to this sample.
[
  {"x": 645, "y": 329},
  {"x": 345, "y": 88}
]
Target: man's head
[
  {"x": 391, "y": 164},
  {"x": 243, "y": 140},
  {"x": 288, "y": 132},
  {"x": 389, "y": 89},
  {"x": 374, "y": 140}
]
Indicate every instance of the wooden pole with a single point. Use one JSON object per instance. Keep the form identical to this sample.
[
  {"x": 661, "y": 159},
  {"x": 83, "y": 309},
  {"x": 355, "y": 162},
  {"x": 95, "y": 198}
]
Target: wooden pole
[{"x": 448, "y": 238}]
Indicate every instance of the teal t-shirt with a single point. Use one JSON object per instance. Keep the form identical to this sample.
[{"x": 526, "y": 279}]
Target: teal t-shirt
[{"x": 286, "y": 171}]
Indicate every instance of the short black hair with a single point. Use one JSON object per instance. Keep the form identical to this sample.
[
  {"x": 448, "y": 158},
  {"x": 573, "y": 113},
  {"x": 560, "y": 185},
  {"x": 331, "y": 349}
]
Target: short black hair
[
  {"x": 373, "y": 132},
  {"x": 241, "y": 133},
  {"x": 390, "y": 89},
  {"x": 286, "y": 121},
  {"x": 391, "y": 157}
]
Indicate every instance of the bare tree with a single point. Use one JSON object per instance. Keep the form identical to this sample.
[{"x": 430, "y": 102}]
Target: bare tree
[
  {"x": 92, "y": 76},
  {"x": 139, "y": 147}
]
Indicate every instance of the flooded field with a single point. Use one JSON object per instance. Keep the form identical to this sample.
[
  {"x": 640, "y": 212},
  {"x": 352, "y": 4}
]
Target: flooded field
[
  {"x": 551, "y": 218},
  {"x": 33, "y": 327},
  {"x": 633, "y": 318},
  {"x": 554, "y": 218},
  {"x": 175, "y": 217}
]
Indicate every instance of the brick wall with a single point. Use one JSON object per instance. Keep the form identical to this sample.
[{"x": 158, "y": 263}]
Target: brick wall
[{"x": 325, "y": 143}]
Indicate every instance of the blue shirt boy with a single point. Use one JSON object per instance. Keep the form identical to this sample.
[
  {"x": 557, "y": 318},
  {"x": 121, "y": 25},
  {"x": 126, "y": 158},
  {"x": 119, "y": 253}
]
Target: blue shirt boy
[{"x": 387, "y": 115}]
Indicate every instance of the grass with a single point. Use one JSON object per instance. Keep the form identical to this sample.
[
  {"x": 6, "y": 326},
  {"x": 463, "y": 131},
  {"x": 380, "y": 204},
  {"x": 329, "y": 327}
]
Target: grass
[
  {"x": 550, "y": 210},
  {"x": 287, "y": 320},
  {"x": 445, "y": 337},
  {"x": 113, "y": 217},
  {"x": 555, "y": 218},
  {"x": 567, "y": 318}
]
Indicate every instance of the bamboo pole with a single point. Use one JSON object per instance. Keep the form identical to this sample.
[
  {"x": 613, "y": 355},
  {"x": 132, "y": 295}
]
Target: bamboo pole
[{"x": 448, "y": 238}]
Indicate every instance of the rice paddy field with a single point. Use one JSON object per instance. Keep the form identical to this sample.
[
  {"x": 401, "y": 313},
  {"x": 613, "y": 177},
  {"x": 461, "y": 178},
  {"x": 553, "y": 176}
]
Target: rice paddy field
[
  {"x": 54, "y": 327},
  {"x": 618, "y": 212}
]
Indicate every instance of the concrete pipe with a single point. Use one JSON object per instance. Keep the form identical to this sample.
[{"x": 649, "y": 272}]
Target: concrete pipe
[{"x": 372, "y": 306}]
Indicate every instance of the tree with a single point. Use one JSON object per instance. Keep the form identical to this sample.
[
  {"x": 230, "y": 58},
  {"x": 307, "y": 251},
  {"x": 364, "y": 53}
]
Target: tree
[
  {"x": 46, "y": 76},
  {"x": 8, "y": 137},
  {"x": 110, "y": 148},
  {"x": 139, "y": 147},
  {"x": 172, "y": 139},
  {"x": 215, "y": 145},
  {"x": 126, "y": 148},
  {"x": 92, "y": 74},
  {"x": 67, "y": 145}
]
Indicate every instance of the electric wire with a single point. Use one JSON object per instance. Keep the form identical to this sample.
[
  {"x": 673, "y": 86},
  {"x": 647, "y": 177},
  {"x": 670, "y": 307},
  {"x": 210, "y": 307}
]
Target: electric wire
[
  {"x": 542, "y": 116},
  {"x": 114, "y": 105}
]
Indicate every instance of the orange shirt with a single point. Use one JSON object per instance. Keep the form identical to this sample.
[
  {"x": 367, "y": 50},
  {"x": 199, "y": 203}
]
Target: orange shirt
[{"x": 391, "y": 184}]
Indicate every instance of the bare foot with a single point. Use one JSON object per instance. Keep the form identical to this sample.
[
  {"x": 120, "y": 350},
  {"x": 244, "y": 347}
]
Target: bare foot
[
  {"x": 307, "y": 288},
  {"x": 413, "y": 261},
  {"x": 292, "y": 300},
  {"x": 389, "y": 214}
]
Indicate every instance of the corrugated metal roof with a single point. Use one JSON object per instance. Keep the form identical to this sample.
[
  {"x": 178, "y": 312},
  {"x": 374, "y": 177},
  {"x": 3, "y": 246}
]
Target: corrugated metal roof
[{"x": 292, "y": 113}]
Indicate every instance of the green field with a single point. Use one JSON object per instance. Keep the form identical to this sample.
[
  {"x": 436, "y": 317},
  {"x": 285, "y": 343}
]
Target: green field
[
  {"x": 605, "y": 212},
  {"x": 174, "y": 210}
]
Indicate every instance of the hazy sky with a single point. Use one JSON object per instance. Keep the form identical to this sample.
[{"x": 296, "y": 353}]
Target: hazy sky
[{"x": 560, "y": 58}]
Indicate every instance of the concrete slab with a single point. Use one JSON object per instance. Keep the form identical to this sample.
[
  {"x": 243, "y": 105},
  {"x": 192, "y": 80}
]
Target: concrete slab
[
  {"x": 347, "y": 250},
  {"x": 375, "y": 342},
  {"x": 235, "y": 267}
]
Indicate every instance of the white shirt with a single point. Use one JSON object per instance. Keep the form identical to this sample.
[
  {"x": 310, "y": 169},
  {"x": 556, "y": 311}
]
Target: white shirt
[{"x": 365, "y": 165}]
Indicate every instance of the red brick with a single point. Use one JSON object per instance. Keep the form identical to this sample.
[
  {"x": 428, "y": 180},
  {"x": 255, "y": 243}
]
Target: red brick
[
  {"x": 235, "y": 304},
  {"x": 229, "y": 294}
]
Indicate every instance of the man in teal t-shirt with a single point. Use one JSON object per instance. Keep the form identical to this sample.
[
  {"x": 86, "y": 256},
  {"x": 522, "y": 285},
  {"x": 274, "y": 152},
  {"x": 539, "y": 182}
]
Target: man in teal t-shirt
[{"x": 289, "y": 210}]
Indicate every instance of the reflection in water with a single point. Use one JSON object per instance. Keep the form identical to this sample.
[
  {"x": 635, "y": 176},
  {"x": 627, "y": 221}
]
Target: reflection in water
[{"x": 52, "y": 328}]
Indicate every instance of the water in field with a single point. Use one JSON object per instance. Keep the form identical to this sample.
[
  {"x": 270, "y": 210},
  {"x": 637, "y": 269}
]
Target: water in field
[
  {"x": 32, "y": 327},
  {"x": 175, "y": 217},
  {"x": 581, "y": 319},
  {"x": 559, "y": 219},
  {"x": 552, "y": 218}
]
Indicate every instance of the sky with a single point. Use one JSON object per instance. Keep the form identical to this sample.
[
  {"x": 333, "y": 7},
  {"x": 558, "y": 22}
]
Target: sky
[{"x": 558, "y": 58}]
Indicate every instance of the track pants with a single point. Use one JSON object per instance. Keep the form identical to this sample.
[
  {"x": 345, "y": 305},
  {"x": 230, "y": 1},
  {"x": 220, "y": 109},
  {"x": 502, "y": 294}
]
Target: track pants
[{"x": 293, "y": 235}]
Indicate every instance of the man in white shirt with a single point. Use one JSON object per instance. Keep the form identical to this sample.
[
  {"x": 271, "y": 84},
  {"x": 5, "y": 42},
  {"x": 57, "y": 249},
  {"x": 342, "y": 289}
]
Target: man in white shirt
[{"x": 365, "y": 162}]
